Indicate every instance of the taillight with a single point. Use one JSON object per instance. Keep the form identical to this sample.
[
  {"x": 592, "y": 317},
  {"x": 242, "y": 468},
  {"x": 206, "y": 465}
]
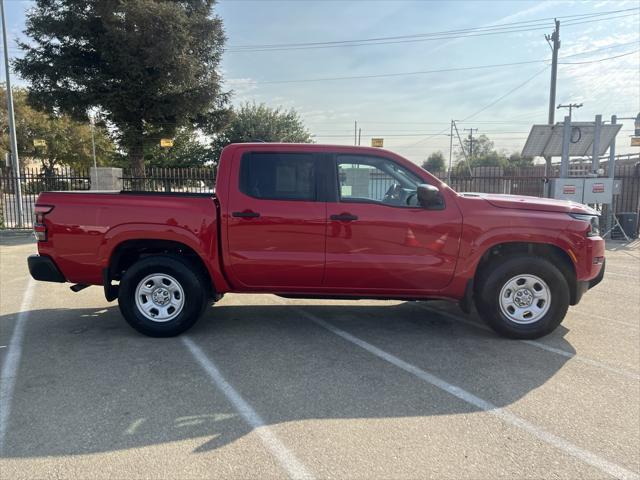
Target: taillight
[{"x": 39, "y": 227}]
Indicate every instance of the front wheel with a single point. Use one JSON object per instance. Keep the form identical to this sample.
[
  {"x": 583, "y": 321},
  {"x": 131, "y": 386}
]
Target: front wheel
[
  {"x": 522, "y": 297},
  {"x": 161, "y": 296}
]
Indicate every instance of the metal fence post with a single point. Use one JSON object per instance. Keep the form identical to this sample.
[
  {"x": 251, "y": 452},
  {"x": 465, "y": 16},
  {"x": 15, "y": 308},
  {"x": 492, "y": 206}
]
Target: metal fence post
[
  {"x": 566, "y": 137},
  {"x": 595, "y": 156}
]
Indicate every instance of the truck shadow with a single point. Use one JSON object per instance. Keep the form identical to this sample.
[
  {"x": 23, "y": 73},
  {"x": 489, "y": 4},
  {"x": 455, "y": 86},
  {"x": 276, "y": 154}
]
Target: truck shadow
[
  {"x": 11, "y": 238},
  {"x": 87, "y": 383}
]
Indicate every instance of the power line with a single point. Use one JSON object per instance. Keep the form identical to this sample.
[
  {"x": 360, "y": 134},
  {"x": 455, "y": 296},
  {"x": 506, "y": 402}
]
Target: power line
[
  {"x": 428, "y": 137},
  {"x": 409, "y": 135},
  {"x": 506, "y": 94},
  {"x": 599, "y": 60},
  {"x": 403, "y": 74},
  {"x": 513, "y": 27},
  {"x": 341, "y": 132},
  {"x": 375, "y": 122},
  {"x": 436, "y": 34},
  {"x": 490, "y": 104},
  {"x": 440, "y": 70}
]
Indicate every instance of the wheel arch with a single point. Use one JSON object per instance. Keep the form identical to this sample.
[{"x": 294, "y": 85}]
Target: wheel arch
[
  {"x": 559, "y": 257},
  {"x": 127, "y": 252}
]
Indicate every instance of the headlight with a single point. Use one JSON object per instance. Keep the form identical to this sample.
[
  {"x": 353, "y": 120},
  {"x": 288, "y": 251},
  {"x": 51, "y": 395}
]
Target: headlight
[{"x": 592, "y": 220}]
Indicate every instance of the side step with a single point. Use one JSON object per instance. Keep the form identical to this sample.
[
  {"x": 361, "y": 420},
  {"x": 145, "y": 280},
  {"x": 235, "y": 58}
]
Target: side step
[{"x": 78, "y": 286}]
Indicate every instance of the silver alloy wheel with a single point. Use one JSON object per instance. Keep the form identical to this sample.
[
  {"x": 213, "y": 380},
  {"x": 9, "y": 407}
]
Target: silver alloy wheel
[
  {"x": 525, "y": 299},
  {"x": 159, "y": 297}
]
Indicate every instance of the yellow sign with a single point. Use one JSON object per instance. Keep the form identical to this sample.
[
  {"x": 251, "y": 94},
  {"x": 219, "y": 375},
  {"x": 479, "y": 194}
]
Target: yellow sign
[
  {"x": 635, "y": 141},
  {"x": 166, "y": 142},
  {"x": 377, "y": 142},
  {"x": 38, "y": 142}
]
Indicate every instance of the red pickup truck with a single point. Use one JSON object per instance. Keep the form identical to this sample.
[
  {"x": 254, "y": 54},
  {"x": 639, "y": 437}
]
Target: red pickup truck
[{"x": 318, "y": 221}]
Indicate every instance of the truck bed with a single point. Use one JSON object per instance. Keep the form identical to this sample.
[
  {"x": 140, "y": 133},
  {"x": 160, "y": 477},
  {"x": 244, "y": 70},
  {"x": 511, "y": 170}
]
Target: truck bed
[{"x": 83, "y": 228}]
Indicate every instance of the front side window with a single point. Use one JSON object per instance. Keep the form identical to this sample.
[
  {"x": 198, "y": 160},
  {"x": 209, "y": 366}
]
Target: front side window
[
  {"x": 376, "y": 179},
  {"x": 278, "y": 176}
]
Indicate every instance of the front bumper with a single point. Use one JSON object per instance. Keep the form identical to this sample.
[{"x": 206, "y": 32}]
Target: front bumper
[
  {"x": 43, "y": 268},
  {"x": 583, "y": 285}
]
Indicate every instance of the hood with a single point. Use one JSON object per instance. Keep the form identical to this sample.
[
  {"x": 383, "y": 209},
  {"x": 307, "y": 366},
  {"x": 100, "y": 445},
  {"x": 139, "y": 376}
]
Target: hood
[{"x": 521, "y": 202}]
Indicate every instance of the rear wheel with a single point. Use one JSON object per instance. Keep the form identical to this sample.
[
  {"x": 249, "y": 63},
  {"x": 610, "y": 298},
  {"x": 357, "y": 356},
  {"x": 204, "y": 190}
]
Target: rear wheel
[
  {"x": 161, "y": 296},
  {"x": 522, "y": 297}
]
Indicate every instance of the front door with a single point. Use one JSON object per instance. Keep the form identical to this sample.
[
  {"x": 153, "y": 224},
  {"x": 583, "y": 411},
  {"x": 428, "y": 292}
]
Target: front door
[
  {"x": 275, "y": 223},
  {"x": 378, "y": 240}
]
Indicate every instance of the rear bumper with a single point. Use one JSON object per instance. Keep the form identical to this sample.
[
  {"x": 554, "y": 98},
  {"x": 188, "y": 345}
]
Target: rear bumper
[
  {"x": 583, "y": 285},
  {"x": 43, "y": 268}
]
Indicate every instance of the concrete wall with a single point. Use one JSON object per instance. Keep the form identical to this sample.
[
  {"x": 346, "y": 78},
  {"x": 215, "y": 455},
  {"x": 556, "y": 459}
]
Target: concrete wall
[{"x": 106, "y": 178}]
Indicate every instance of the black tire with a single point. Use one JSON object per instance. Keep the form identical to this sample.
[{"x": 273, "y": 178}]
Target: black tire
[
  {"x": 497, "y": 274},
  {"x": 189, "y": 280}
]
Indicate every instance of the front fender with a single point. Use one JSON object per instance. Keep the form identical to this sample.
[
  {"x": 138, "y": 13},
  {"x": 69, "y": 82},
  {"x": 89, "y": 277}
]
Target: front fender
[{"x": 485, "y": 227}]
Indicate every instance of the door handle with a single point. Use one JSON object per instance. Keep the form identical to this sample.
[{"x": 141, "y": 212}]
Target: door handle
[
  {"x": 247, "y": 214},
  {"x": 344, "y": 217}
]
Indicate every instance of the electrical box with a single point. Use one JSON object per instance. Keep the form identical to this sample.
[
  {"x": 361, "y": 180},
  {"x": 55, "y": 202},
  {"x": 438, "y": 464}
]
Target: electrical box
[
  {"x": 598, "y": 190},
  {"x": 568, "y": 188},
  {"x": 585, "y": 190},
  {"x": 617, "y": 186}
]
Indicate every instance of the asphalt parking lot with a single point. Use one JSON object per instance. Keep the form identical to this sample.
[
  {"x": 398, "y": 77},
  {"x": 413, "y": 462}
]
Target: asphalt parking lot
[{"x": 265, "y": 387}]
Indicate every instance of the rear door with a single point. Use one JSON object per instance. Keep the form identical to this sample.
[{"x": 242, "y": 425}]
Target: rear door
[
  {"x": 276, "y": 224},
  {"x": 378, "y": 240}
]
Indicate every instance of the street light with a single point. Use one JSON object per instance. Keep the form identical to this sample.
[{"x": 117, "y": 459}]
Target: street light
[{"x": 13, "y": 142}]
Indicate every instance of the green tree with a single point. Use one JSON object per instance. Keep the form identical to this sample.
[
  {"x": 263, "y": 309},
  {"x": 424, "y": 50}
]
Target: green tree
[
  {"x": 517, "y": 160},
  {"x": 492, "y": 158},
  {"x": 478, "y": 147},
  {"x": 187, "y": 151},
  {"x": 148, "y": 67},
  {"x": 68, "y": 142},
  {"x": 480, "y": 152},
  {"x": 260, "y": 123},
  {"x": 434, "y": 162}
]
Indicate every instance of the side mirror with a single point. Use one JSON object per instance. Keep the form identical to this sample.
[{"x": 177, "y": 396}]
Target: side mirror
[{"x": 430, "y": 197}]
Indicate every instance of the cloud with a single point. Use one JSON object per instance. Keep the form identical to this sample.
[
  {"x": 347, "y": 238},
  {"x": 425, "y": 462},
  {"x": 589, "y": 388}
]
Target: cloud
[
  {"x": 506, "y": 19},
  {"x": 241, "y": 86}
]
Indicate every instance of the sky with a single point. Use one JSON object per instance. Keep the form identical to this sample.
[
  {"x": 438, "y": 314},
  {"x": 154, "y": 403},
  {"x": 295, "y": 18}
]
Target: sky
[{"x": 412, "y": 111}]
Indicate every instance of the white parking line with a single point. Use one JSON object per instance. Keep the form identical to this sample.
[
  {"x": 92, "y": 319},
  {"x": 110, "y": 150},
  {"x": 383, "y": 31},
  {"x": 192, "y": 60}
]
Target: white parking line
[
  {"x": 12, "y": 362},
  {"x": 294, "y": 468},
  {"x": 560, "y": 443},
  {"x": 533, "y": 343}
]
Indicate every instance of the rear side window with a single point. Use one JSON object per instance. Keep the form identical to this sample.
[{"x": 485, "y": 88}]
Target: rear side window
[{"x": 278, "y": 176}]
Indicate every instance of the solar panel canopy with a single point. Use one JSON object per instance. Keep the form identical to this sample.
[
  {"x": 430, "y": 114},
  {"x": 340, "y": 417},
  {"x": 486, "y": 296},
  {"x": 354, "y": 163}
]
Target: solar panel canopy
[{"x": 546, "y": 140}]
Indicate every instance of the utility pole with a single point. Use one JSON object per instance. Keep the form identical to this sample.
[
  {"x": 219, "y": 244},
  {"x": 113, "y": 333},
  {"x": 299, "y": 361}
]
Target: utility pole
[
  {"x": 554, "y": 42},
  {"x": 93, "y": 142},
  {"x": 595, "y": 152},
  {"x": 470, "y": 130},
  {"x": 570, "y": 106},
  {"x": 355, "y": 133},
  {"x": 612, "y": 151},
  {"x": 450, "y": 152},
  {"x": 12, "y": 121},
  {"x": 359, "y": 135},
  {"x": 462, "y": 147}
]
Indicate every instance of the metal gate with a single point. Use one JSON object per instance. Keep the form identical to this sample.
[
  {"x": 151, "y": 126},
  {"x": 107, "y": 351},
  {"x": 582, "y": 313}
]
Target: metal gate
[{"x": 32, "y": 182}]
